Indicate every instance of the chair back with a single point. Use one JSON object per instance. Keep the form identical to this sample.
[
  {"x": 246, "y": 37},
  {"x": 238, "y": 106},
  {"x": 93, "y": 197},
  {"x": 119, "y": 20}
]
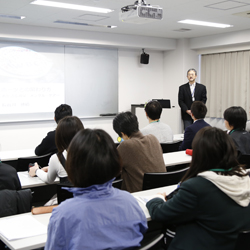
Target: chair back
[
  {"x": 155, "y": 180},
  {"x": 23, "y": 163},
  {"x": 15, "y": 202},
  {"x": 243, "y": 241},
  {"x": 170, "y": 147},
  {"x": 245, "y": 159},
  {"x": 117, "y": 183}
]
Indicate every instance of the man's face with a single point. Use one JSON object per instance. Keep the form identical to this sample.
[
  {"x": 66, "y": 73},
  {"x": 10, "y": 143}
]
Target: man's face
[{"x": 191, "y": 76}]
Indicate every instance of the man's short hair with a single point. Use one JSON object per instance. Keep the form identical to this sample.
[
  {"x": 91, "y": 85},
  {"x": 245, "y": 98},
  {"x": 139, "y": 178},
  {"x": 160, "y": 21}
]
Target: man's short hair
[
  {"x": 198, "y": 110},
  {"x": 153, "y": 110},
  {"x": 236, "y": 117},
  {"x": 126, "y": 123},
  {"x": 62, "y": 111},
  {"x": 192, "y": 70}
]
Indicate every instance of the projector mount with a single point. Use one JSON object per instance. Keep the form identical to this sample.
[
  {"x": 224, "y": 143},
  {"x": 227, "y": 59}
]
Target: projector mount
[{"x": 134, "y": 6}]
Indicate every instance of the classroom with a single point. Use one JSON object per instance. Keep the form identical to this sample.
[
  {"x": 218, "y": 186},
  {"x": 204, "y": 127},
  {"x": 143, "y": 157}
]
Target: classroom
[
  {"x": 173, "y": 48},
  {"x": 166, "y": 71}
]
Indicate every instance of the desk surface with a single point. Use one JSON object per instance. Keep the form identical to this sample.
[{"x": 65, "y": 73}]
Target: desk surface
[
  {"x": 176, "y": 158},
  {"x": 29, "y": 182},
  {"x": 15, "y": 154},
  {"x": 178, "y": 137},
  {"x": 39, "y": 241}
]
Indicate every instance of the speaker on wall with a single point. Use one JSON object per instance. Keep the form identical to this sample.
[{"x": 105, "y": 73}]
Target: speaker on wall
[{"x": 144, "y": 57}]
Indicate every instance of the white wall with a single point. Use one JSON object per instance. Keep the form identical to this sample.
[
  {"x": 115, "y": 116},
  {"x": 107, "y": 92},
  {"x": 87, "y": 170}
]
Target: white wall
[{"x": 139, "y": 83}]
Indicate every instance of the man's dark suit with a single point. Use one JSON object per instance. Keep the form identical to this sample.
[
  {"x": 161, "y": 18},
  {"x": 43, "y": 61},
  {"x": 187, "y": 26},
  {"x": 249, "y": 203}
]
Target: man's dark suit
[
  {"x": 48, "y": 144},
  {"x": 185, "y": 98},
  {"x": 190, "y": 132}
]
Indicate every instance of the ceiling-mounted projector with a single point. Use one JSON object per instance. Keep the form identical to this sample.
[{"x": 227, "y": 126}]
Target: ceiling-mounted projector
[{"x": 140, "y": 13}]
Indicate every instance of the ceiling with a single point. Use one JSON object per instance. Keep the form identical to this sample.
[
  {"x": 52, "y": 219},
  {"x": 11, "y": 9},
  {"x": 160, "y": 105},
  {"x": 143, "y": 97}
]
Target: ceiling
[{"x": 219, "y": 11}]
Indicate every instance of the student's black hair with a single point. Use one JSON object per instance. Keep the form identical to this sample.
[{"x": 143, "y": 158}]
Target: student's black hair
[
  {"x": 213, "y": 149},
  {"x": 92, "y": 158},
  {"x": 153, "y": 110},
  {"x": 236, "y": 117},
  {"x": 65, "y": 131},
  {"x": 62, "y": 111},
  {"x": 125, "y": 122},
  {"x": 198, "y": 109}
]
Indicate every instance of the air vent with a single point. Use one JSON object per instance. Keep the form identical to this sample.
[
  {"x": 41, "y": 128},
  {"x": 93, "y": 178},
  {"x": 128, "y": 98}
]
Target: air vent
[
  {"x": 85, "y": 24},
  {"x": 182, "y": 30},
  {"x": 243, "y": 14}
]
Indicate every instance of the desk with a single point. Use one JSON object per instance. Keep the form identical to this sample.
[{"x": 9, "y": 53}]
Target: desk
[
  {"x": 178, "y": 137},
  {"x": 31, "y": 182},
  {"x": 15, "y": 154},
  {"x": 39, "y": 241},
  {"x": 31, "y": 242},
  {"x": 152, "y": 192},
  {"x": 176, "y": 158}
]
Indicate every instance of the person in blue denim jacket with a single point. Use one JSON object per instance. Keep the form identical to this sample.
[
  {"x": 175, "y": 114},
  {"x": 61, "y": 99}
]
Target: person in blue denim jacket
[{"x": 98, "y": 216}]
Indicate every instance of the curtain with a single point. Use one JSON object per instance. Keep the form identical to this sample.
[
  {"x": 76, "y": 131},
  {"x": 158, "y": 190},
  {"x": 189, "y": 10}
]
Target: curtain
[{"x": 227, "y": 78}]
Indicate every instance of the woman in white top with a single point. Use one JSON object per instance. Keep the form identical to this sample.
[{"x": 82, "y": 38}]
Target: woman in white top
[{"x": 65, "y": 131}]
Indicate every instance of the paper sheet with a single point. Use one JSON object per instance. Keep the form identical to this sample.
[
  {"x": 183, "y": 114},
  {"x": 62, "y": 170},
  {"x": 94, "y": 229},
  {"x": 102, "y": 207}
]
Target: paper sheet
[{"x": 21, "y": 227}]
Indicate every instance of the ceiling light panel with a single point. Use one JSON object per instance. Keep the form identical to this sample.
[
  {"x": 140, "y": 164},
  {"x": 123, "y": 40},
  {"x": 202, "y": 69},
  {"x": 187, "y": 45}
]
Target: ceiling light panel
[
  {"x": 209, "y": 24},
  {"x": 71, "y": 6}
]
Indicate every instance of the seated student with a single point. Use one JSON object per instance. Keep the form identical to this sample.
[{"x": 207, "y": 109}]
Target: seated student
[
  {"x": 235, "y": 122},
  {"x": 198, "y": 113},
  {"x": 211, "y": 206},
  {"x": 161, "y": 131},
  {"x": 140, "y": 154},
  {"x": 99, "y": 216},
  {"x": 8, "y": 177},
  {"x": 65, "y": 131},
  {"x": 48, "y": 144}
]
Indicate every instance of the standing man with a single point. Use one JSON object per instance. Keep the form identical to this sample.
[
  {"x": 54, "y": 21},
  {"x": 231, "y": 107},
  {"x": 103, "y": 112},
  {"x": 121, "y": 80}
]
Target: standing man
[{"x": 188, "y": 93}]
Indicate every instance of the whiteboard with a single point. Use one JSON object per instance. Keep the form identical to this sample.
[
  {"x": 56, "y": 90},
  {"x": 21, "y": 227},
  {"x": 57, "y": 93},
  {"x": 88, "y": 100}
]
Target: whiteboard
[
  {"x": 91, "y": 77},
  {"x": 36, "y": 78}
]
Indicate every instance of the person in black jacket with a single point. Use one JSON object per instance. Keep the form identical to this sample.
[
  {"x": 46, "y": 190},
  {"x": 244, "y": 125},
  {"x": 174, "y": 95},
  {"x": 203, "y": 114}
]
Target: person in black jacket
[
  {"x": 211, "y": 206},
  {"x": 235, "y": 122},
  {"x": 188, "y": 93},
  {"x": 48, "y": 144},
  {"x": 8, "y": 177}
]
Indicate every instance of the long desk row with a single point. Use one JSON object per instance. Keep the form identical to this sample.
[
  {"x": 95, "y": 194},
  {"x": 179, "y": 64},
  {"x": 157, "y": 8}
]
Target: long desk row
[
  {"x": 15, "y": 154},
  {"x": 40, "y": 240},
  {"x": 170, "y": 159}
]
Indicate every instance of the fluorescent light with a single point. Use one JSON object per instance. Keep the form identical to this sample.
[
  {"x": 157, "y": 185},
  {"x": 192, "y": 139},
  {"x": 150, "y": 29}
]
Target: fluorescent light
[
  {"x": 11, "y": 16},
  {"x": 86, "y": 24},
  {"x": 195, "y": 22},
  {"x": 71, "y": 6}
]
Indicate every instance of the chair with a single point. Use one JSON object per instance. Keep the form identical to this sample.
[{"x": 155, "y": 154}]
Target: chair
[
  {"x": 170, "y": 147},
  {"x": 245, "y": 159},
  {"x": 155, "y": 180},
  {"x": 117, "y": 183},
  {"x": 23, "y": 163},
  {"x": 243, "y": 241},
  {"x": 151, "y": 242}
]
